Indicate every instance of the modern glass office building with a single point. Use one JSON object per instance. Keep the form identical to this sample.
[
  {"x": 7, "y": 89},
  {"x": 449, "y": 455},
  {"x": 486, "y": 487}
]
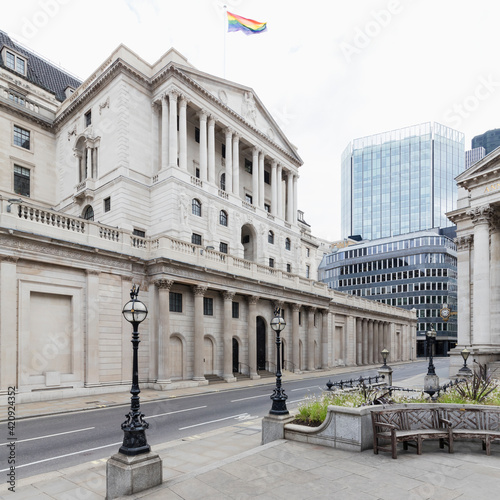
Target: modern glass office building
[
  {"x": 489, "y": 140},
  {"x": 413, "y": 271},
  {"x": 400, "y": 181}
]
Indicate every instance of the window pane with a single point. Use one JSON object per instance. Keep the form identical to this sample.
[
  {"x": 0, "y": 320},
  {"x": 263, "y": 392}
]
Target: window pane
[
  {"x": 175, "y": 302},
  {"x": 21, "y": 181},
  {"x": 208, "y": 306},
  {"x": 21, "y": 137}
]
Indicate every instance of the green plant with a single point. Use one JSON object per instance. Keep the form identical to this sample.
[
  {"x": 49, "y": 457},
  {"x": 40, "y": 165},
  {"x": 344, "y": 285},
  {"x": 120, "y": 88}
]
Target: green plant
[{"x": 478, "y": 387}]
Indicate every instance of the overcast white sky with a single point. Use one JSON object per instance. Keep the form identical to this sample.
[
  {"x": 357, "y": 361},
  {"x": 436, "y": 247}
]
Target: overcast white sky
[{"x": 329, "y": 71}]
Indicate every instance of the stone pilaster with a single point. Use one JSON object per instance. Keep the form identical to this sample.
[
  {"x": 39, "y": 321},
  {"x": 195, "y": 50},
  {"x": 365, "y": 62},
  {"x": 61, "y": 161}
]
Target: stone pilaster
[
  {"x": 311, "y": 337},
  {"x": 295, "y": 337},
  {"x": 183, "y": 133},
  {"x": 229, "y": 160},
  {"x": 199, "y": 334},
  {"x": 228, "y": 337},
  {"x": 172, "y": 130},
  {"x": 163, "y": 328},
  {"x": 252, "y": 336}
]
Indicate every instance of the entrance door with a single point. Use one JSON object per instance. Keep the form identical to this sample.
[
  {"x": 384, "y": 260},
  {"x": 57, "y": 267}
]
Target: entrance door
[
  {"x": 209, "y": 357},
  {"x": 236, "y": 356},
  {"x": 261, "y": 343}
]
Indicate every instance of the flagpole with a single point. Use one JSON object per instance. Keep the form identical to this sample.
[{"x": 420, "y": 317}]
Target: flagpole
[{"x": 225, "y": 31}]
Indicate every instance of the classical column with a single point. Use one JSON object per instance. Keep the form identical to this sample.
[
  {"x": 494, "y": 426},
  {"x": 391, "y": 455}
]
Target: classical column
[
  {"x": 370, "y": 342},
  {"x": 156, "y": 136},
  {"x": 211, "y": 150},
  {"x": 463, "y": 289},
  {"x": 294, "y": 215},
  {"x": 172, "y": 130},
  {"x": 359, "y": 341},
  {"x": 311, "y": 337},
  {"x": 350, "y": 344},
  {"x": 274, "y": 188},
  {"x": 183, "y": 133},
  {"x": 481, "y": 217},
  {"x": 261, "y": 179},
  {"x": 88, "y": 169},
  {"x": 127, "y": 360},
  {"x": 376, "y": 342},
  {"x": 199, "y": 333},
  {"x": 279, "y": 189},
  {"x": 365, "y": 342},
  {"x": 8, "y": 327},
  {"x": 325, "y": 336},
  {"x": 295, "y": 337},
  {"x": 164, "y": 132},
  {"x": 228, "y": 336},
  {"x": 252, "y": 336},
  {"x": 229, "y": 160},
  {"x": 164, "y": 286},
  {"x": 289, "y": 201},
  {"x": 92, "y": 337},
  {"x": 255, "y": 176},
  {"x": 203, "y": 145},
  {"x": 236, "y": 164}
]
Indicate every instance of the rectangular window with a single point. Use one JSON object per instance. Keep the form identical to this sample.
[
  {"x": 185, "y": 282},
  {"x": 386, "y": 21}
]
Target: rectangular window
[
  {"x": 139, "y": 232},
  {"x": 21, "y": 180},
  {"x": 267, "y": 177},
  {"x": 223, "y": 150},
  {"x": 248, "y": 166},
  {"x": 271, "y": 262},
  {"x": 289, "y": 268},
  {"x": 208, "y": 306},
  {"x": 267, "y": 207},
  {"x": 13, "y": 61},
  {"x": 196, "y": 239},
  {"x": 21, "y": 137},
  {"x": 88, "y": 118},
  {"x": 107, "y": 204},
  {"x": 308, "y": 271},
  {"x": 300, "y": 318},
  {"x": 248, "y": 199},
  {"x": 175, "y": 302},
  {"x": 197, "y": 134},
  {"x": 197, "y": 173},
  {"x": 236, "y": 310},
  {"x": 223, "y": 247}
]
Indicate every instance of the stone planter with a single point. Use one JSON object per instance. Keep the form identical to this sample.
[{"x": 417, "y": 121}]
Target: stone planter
[{"x": 343, "y": 428}]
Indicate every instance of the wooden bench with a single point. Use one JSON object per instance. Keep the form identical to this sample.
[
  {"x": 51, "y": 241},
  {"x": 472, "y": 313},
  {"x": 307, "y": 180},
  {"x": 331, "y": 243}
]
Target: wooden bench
[
  {"x": 411, "y": 426},
  {"x": 474, "y": 423},
  {"x": 446, "y": 423}
]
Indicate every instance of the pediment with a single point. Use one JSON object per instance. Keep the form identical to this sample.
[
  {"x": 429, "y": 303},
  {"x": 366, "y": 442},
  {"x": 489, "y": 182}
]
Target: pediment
[
  {"x": 244, "y": 102},
  {"x": 482, "y": 171}
]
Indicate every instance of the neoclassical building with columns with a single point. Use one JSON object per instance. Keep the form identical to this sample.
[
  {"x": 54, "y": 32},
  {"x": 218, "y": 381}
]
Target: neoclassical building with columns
[
  {"x": 478, "y": 261},
  {"x": 181, "y": 182}
]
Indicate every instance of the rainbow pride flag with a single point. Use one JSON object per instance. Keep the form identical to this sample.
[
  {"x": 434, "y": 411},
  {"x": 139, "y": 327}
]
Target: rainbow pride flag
[{"x": 248, "y": 26}]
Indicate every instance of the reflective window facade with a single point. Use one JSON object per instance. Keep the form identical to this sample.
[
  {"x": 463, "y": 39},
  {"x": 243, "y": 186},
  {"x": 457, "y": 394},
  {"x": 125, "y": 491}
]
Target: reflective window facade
[
  {"x": 401, "y": 181},
  {"x": 416, "y": 271}
]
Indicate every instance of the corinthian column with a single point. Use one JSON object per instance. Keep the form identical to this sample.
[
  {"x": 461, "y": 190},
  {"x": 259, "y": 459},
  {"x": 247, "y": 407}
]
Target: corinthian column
[
  {"x": 211, "y": 150},
  {"x": 203, "y": 145},
  {"x": 252, "y": 336},
  {"x": 236, "y": 164},
  {"x": 172, "y": 130},
  {"x": 164, "y": 132},
  {"x": 199, "y": 333},
  {"x": 261, "y": 179},
  {"x": 229, "y": 160},
  {"x": 481, "y": 217},
  {"x": 463, "y": 289},
  {"x": 274, "y": 188},
  {"x": 183, "y": 133},
  {"x": 164, "y": 330},
  {"x": 289, "y": 185},
  {"x": 295, "y": 337},
  {"x": 228, "y": 337},
  {"x": 255, "y": 177},
  {"x": 311, "y": 337}
]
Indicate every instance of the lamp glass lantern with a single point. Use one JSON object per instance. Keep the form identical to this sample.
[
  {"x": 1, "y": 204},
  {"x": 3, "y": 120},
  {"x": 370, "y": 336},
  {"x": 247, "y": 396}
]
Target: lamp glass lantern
[
  {"x": 384, "y": 353},
  {"x": 278, "y": 397},
  {"x": 465, "y": 370}
]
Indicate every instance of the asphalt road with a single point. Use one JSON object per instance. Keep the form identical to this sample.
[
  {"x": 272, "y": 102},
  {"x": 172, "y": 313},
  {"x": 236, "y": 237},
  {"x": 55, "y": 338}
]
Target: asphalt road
[{"x": 52, "y": 442}]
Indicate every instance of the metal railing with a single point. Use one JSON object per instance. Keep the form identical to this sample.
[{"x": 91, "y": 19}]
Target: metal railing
[{"x": 354, "y": 382}]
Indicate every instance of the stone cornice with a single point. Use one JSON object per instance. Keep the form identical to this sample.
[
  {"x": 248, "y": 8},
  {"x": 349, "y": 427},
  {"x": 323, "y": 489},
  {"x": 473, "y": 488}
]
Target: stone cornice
[{"x": 25, "y": 114}]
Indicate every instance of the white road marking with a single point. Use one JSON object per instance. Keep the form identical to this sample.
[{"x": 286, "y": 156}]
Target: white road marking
[
  {"x": 64, "y": 456},
  {"x": 251, "y": 397},
  {"x": 172, "y": 412},
  {"x": 211, "y": 421},
  {"x": 49, "y": 435},
  {"x": 304, "y": 388}
]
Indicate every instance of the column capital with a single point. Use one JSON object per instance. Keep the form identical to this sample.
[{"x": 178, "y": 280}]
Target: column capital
[
  {"x": 164, "y": 284},
  {"x": 463, "y": 242},
  {"x": 9, "y": 258},
  {"x": 256, "y": 150},
  {"x": 92, "y": 272},
  {"x": 311, "y": 309},
  {"x": 183, "y": 101},
  {"x": 202, "y": 115},
  {"x": 164, "y": 98},
  {"x": 481, "y": 215},
  {"x": 253, "y": 299},
  {"x": 228, "y": 295},
  {"x": 278, "y": 304},
  {"x": 274, "y": 163},
  {"x": 236, "y": 136},
  {"x": 211, "y": 120},
  {"x": 296, "y": 307},
  {"x": 173, "y": 94},
  {"x": 229, "y": 132},
  {"x": 199, "y": 290}
]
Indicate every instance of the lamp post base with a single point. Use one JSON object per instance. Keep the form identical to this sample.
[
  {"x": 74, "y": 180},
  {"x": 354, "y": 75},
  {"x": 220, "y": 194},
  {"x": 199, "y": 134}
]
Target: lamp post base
[
  {"x": 273, "y": 427},
  {"x": 127, "y": 475}
]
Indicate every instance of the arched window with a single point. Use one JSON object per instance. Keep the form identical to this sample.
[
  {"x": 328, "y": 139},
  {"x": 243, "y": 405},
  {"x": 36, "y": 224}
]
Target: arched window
[
  {"x": 196, "y": 207},
  {"x": 223, "y": 182},
  {"x": 288, "y": 245},
  {"x": 88, "y": 213},
  {"x": 223, "y": 218},
  {"x": 270, "y": 237}
]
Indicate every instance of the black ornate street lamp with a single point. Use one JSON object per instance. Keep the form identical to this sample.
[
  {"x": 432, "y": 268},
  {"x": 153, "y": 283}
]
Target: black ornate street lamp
[
  {"x": 279, "y": 397},
  {"x": 134, "y": 428},
  {"x": 465, "y": 370},
  {"x": 431, "y": 380},
  {"x": 384, "y": 353}
]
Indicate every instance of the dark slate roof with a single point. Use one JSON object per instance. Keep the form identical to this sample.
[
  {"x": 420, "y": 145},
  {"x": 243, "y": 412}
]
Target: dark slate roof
[{"x": 39, "y": 71}]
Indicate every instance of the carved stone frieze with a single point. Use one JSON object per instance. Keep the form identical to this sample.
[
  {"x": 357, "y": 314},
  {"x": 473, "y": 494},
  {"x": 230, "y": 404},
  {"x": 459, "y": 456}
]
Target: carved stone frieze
[
  {"x": 481, "y": 215},
  {"x": 228, "y": 295},
  {"x": 464, "y": 242},
  {"x": 164, "y": 284}
]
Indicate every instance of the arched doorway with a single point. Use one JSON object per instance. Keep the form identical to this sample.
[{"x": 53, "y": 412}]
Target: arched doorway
[
  {"x": 249, "y": 242},
  {"x": 236, "y": 356},
  {"x": 261, "y": 343},
  {"x": 176, "y": 358},
  {"x": 208, "y": 355}
]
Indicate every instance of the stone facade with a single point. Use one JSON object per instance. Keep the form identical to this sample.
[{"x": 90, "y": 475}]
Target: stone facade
[
  {"x": 181, "y": 182},
  {"x": 478, "y": 255}
]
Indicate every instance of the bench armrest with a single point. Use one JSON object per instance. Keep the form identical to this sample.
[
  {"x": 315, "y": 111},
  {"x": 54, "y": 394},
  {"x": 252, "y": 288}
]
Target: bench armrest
[
  {"x": 444, "y": 421},
  {"x": 384, "y": 424}
]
